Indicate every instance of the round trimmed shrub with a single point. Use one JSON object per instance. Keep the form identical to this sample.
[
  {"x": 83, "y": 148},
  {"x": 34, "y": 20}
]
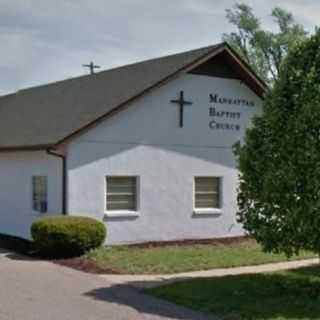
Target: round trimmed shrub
[{"x": 67, "y": 236}]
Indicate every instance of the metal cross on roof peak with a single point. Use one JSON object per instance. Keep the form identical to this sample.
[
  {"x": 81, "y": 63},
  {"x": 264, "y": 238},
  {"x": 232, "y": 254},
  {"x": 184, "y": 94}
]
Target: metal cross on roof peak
[{"x": 91, "y": 66}]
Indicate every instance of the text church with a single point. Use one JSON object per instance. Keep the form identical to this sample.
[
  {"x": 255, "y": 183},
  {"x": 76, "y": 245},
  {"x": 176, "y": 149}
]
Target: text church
[{"x": 146, "y": 148}]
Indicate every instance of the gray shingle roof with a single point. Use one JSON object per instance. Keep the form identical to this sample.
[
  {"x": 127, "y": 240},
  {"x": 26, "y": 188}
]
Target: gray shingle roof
[{"x": 45, "y": 115}]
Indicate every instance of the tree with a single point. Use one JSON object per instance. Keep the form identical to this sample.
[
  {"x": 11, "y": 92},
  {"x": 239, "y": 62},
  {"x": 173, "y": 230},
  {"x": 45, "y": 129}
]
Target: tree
[
  {"x": 279, "y": 162},
  {"x": 263, "y": 50}
]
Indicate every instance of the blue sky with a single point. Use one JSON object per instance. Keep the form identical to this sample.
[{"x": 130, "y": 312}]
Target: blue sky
[{"x": 44, "y": 41}]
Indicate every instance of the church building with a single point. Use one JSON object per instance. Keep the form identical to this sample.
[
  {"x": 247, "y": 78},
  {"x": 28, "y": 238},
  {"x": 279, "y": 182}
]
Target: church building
[{"x": 147, "y": 148}]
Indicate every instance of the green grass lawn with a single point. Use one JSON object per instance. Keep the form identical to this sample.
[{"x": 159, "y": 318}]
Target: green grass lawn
[
  {"x": 182, "y": 258},
  {"x": 290, "y": 295}
]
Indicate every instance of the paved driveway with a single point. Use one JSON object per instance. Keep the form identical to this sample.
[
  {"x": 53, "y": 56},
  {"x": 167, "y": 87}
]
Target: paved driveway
[{"x": 37, "y": 290}]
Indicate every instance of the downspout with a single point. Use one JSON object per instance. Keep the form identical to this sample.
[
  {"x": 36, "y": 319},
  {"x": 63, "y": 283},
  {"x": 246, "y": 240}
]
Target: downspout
[{"x": 64, "y": 179}]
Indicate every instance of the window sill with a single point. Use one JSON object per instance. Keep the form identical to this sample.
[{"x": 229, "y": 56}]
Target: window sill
[
  {"x": 215, "y": 212},
  {"x": 120, "y": 214},
  {"x": 38, "y": 213}
]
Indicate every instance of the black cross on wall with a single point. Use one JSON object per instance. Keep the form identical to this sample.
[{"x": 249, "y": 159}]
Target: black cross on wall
[{"x": 181, "y": 103}]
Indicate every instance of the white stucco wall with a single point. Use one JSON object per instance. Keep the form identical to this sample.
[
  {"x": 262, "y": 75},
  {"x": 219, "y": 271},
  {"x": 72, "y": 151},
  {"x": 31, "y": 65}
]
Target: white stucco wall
[
  {"x": 146, "y": 141},
  {"x": 16, "y": 171}
]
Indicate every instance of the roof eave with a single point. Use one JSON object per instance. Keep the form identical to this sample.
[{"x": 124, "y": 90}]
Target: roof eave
[{"x": 248, "y": 69}]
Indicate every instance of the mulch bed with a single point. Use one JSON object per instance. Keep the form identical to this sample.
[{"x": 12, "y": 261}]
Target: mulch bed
[
  {"x": 220, "y": 241},
  {"x": 86, "y": 265},
  {"x": 83, "y": 264},
  {"x": 27, "y": 248}
]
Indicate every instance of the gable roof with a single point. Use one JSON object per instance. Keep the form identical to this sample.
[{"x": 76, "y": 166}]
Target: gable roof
[{"x": 46, "y": 116}]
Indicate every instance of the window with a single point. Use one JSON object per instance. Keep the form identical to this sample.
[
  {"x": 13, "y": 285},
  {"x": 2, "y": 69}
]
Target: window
[
  {"x": 121, "y": 193},
  {"x": 40, "y": 194},
  {"x": 207, "y": 192}
]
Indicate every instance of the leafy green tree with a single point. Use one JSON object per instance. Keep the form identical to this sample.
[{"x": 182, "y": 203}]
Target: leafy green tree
[
  {"x": 279, "y": 162},
  {"x": 263, "y": 50}
]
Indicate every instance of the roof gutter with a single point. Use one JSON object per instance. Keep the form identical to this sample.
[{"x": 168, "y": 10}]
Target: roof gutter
[
  {"x": 40, "y": 147},
  {"x": 64, "y": 178}
]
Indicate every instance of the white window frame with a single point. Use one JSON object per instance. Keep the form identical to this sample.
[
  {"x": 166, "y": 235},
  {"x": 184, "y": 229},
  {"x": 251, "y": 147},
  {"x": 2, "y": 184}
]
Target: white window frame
[
  {"x": 39, "y": 212},
  {"x": 122, "y": 213},
  {"x": 209, "y": 211}
]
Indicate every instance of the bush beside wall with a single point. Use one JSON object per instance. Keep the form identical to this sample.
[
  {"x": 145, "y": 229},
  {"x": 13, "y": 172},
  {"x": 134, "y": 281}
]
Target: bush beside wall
[
  {"x": 16, "y": 244},
  {"x": 67, "y": 236}
]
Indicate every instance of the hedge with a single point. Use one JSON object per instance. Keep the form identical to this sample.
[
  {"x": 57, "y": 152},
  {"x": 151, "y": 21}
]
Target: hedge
[{"x": 67, "y": 236}]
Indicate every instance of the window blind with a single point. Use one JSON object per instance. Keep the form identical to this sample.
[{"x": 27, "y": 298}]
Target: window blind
[
  {"x": 207, "y": 192},
  {"x": 121, "y": 193}
]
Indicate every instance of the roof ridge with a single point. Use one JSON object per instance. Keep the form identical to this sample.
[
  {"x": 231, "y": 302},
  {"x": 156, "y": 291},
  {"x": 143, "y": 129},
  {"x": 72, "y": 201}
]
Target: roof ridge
[{"x": 163, "y": 57}]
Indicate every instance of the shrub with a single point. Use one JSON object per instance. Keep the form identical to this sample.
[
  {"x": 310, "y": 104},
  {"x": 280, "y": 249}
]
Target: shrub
[
  {"x": 67, "y": 236},
  {"x": 16, "y": 244},
  {"x": 279, "y": 198}
]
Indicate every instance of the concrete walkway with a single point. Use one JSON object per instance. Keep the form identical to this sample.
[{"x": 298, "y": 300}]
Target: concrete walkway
[
  {"x": 39, "y": 290},
  {"x": 149, "y": 281}
]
